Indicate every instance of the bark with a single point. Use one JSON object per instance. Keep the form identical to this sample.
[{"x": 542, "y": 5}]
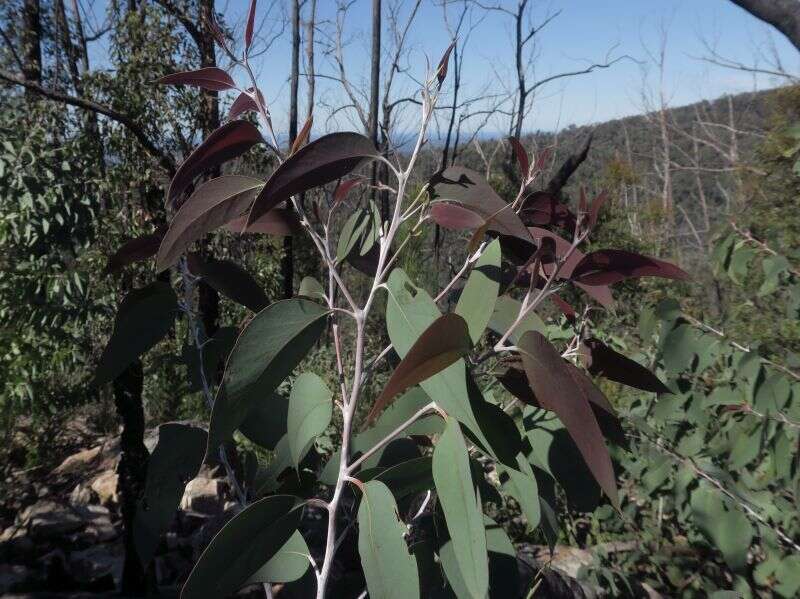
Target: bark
[
  {"x": 374, "y": 84},
  {"x": 31, "y": 45},
  {"x": 287, "y": 259},
  {"x": 78, "y": 54},
  {"x": 568, "y": 167},
  {"x": 310, "y": 67},
  {"x": 784, "y": 15},
  {"x": 132, "y": 470}
]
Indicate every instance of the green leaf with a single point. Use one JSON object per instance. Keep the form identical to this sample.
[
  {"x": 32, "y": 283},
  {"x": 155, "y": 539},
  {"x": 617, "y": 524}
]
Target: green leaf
[
  {"x": 407, "y": 478},
  {"x": 175, "y": 460},
  {"x": 390, "y": 570},
  {"x": 290, "y": 563},
  {"x": 269, "y": 348},
  {"x": 409, "y": 311},
  {"x": 266, "y": 423},
  {"x": 726, "y": 527},
  {"x": 477, "y": 300},
  {"x": 521, "y": 485},
  {"x": 231, "y": 280},
  {"x": 393, "y": 416},
  {"x": 243, "y": 546},
  {"x": 312, "y": 289},
  {"x": 462, "y": 510},
  {"x": 772, "y": 394},
  {"x": 503, "y": 569},
  {"x": 144, "y": 317},
  {"x": 740, "y": 262},
  {"x": 774, "y": 267},
  {"x": 362, "y": 230},
  {"x": 505, "y": 313},
  {"x": 444, "y": 342},
  {"x": 310, "y": 411},
  {"x": 558, "y": 391},
  {"x": 679, "y": 348}
]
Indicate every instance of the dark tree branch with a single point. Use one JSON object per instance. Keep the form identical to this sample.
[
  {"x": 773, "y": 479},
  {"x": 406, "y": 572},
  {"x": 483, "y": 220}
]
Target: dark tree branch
[
  {"x": 568, "y": 168},
  {"x": 783, "y": 15},
  {"x": 164, "y": 160}
]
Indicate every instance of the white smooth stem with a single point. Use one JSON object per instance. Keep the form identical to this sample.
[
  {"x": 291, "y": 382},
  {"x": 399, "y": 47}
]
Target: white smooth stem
[{"x": 360, "y": 315}]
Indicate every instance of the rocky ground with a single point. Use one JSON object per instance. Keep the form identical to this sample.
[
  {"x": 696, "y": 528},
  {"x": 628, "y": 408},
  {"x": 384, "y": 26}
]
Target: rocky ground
[{"x": 61, "y": 532}]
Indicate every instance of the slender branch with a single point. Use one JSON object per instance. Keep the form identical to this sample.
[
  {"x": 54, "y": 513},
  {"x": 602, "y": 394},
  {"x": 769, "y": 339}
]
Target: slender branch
[{"x": 431, "y": 407}]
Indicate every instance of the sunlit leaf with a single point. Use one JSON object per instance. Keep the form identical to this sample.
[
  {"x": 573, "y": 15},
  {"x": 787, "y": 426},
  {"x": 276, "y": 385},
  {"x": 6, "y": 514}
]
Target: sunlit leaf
[
  {"x": 290, "y": 563},
  {"x": 324, "y": 160},
  {"x": 389, "y": 568},
  {"x": 557, "y": 391},
  {"x": 503, "y": 569},
  {"x": 471, "y": 191},
  {"x": 269, "y": 348},
  {"x": 477, "y": 301},
  {"x": 210, "y": 78},
  {"x": 440, "y": 345},
  {"x": 462, "y": 510},
  {"x": 522, "y": 157},
  {"x": 212, "y": 205},
  {"x": 409, "y": 311},
  {"x": 455, "y": 217},
  {"x": 310, "y": 411},
  {"x": 725, "y": 526},
  {"x": 226, "y": 143}
]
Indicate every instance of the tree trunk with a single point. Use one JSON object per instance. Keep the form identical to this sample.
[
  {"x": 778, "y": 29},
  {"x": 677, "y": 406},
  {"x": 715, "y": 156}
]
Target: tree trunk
[
  {"x": 374, "y": 83},
  {"x": 31, "y": 45},
  {"x": 287, "y": 260},
  {"x": 132, "y": 470}
]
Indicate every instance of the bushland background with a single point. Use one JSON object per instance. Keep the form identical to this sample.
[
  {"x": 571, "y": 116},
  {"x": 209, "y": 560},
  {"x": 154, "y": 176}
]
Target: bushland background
[{"x": 88, "y": 143}]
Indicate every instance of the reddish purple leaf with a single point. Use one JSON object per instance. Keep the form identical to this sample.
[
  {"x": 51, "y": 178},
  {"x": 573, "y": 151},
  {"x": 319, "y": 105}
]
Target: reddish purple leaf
[
  {"x": 606, "y": 267},
  {"x": 229, "y": 141},
  {"x": 594, "y": 210},
  {"x": 600, "y": 293},
  {"x": 516, "y": 383},
  {"x": 135, "y": 250},
  {"x": 213, "y": 204},
  {"x": 455, "y": 217},
  {"x": 211, "y": 78},
  {"x": 564, "y": 307},
  {"x": 248, "y": 31},
  {"x": 522, "y": 157},
  {"x": 441, "y": 70},
  {"x": 603, "y": 361},
  {"x": 444, "y": 342},
  {"x": 543, "y": 209},
  {"x": 278, "y": 221},
  {"x": 231, "y": 280},
  {"x": 343, "y": 189},
  {"x": 302, "y": 137},
  {"x": 557, "y": 389},
  {"x": 243, "y": 103},
  {"x": 324, "y": 160},
  {"x": 471, "y": 191}
]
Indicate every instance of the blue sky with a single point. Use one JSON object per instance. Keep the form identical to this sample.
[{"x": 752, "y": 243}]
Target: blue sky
[{"x": 585, "y": 30}]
